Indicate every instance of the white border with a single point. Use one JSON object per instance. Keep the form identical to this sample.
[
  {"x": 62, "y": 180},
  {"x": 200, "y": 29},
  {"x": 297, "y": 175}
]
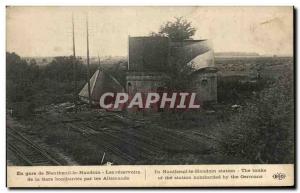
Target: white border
[
  {"x": 4, "y": 3},
  {"x": 148, "y": 2}
]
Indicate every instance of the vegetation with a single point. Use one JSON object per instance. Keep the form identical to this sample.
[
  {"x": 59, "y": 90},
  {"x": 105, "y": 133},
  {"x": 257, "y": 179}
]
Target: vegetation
[
  {"x": 179, "y": 71},
  {"x": 30, "y": 86},
  {"x": 21, "y": 80},
  {"x": 263, "y": 131},
  {"x": 177, "y": 30}
]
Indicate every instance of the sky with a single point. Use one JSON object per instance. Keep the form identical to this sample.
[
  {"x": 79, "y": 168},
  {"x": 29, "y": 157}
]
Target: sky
[{"x": 47, "y": 31}]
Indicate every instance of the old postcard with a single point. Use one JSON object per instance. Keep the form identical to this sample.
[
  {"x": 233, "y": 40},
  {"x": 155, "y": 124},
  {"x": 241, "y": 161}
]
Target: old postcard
[{"x": 150, "y": 96}]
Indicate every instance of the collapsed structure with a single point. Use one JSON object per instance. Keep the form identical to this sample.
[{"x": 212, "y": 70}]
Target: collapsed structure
[
  {"x": 101, "y": 82},
  {"x": 150, "y": 58}
]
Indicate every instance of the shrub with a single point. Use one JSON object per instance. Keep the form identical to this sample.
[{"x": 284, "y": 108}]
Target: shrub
[{"x": 263, "y": 131}]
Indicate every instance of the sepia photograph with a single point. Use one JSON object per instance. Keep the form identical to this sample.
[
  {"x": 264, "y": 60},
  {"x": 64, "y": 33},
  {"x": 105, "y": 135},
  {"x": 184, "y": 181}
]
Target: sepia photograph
[{"x": 164, "y": 86}]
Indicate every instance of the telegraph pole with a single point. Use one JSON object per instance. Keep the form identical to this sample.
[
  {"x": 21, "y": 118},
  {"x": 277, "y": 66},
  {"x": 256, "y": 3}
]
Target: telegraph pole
[
  {"x": 74, "y": 66},
  {"x": 88, "y": 60},
  {"x": 99, "y": 62}
]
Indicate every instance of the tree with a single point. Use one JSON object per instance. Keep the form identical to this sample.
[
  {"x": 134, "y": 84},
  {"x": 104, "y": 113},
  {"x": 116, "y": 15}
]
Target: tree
[
  {"x": 178, "y": 30},
  {"x": 179, "y": 72},
  {"x": 20, "y": 79}
]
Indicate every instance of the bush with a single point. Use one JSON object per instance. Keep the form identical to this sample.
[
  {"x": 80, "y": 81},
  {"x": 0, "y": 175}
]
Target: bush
[{"x": 263, "y": 131}]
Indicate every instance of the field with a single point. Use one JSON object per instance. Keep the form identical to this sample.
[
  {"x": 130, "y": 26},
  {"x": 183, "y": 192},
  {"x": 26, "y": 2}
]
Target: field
[{"x": 96, "y": 137}]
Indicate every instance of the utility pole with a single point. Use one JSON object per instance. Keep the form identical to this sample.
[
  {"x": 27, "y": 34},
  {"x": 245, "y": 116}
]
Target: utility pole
[
  {"x": 128, "y": 61},
  {"x": 74, "y": 66},
  {"x": 88, "y": 60},
  {"x": 99, "y": 63}
]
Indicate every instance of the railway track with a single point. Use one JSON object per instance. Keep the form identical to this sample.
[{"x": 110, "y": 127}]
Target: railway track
[{"x": 29, "y": 152}]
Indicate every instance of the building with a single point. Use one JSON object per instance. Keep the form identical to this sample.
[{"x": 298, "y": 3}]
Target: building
[
  {"x": 147, "y": 64},
  {"x": 149, "y": 59}
]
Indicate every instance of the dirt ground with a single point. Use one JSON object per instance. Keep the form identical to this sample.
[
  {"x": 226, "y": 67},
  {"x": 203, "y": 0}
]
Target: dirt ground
[{"x": 97, "y": 137}]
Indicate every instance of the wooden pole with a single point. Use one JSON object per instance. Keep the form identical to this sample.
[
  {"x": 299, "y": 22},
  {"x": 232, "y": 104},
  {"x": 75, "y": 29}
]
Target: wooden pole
[
  {"x": 88, "y": 61},
  {"x": 74, "y": 66},
  {"x": 128, "y": 40},
  {"x": 99, "y": 63}
]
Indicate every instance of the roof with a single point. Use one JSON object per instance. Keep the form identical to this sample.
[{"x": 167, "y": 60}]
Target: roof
[
  {"x": 156, "y": 53},
  {"x": 100, "y": 83}
]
